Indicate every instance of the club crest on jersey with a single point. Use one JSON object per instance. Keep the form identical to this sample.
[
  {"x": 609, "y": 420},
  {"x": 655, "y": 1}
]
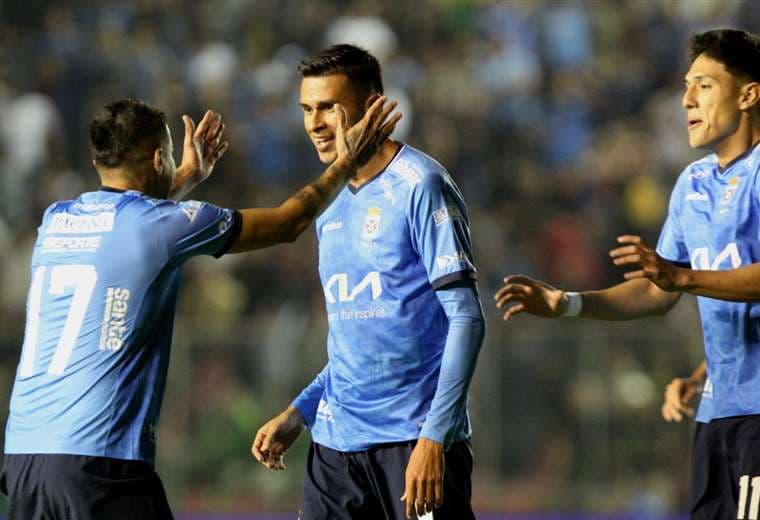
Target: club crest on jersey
[
  {"x": 730, "y": 191},
  {"x": 371, "y": 227}
]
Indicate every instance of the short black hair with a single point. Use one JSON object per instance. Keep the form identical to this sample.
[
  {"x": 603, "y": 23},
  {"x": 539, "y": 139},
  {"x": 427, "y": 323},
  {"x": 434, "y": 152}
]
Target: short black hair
[
  {"x": 738, "y": 51},
  {"x": 361, "y": 68},
  {"x": 124, "y": 129}
]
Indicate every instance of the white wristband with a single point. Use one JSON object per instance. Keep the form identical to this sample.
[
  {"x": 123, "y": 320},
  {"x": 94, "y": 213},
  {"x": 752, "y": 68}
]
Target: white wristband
[{"x": 573, "y": 304}]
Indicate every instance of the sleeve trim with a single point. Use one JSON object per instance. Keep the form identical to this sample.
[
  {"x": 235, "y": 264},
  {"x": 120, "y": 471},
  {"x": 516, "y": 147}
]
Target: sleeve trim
[
  {"x": 237, "y": 226},
  {"x": 445, "y": 280}
]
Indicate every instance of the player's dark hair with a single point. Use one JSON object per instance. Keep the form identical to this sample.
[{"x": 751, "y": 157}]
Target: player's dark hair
[
  {"x": 357, "y": 64},
  {"x": 738, "y": 51},
  {"x": 123, "y": 130}
]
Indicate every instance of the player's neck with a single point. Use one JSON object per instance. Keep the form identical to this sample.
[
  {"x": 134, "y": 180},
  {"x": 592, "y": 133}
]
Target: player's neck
[
  {"x": 377, "y": 163},
  {"x": 122, "y": 179},
  {"x": 745, "y": 137}
]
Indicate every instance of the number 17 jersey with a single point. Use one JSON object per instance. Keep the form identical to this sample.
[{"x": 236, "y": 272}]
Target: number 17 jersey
[{"x": 100, "y": 311}]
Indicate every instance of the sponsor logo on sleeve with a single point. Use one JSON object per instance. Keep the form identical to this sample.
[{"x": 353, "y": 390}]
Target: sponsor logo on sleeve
[
  {"x": 445, "y": 261},
  {"x": 446, "y": 213},
  {"x": 190, "y": 208},
  {"x": 67, "y": 223}
]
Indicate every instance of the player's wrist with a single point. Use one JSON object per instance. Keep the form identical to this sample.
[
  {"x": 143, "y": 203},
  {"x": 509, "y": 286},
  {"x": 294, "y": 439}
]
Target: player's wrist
[{"x": 571, "y": 304}]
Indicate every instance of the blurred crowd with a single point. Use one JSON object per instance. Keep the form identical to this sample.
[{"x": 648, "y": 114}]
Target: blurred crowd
[{"x": 560, "y": 121}]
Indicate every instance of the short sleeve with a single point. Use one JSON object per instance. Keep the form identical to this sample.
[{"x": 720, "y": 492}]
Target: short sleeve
[
  {"x": 193, "y": 228},
  {"x": 440, "y": 230},
  {"x": 671, "y": 245}
]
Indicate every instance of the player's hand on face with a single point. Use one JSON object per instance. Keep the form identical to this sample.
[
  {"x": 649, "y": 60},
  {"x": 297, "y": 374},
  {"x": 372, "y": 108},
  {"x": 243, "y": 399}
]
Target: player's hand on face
[
  {"x": 523, "y": 294},
  {"x": 678, "y": 395},
  {"x": 423, "y": 480},
  {"x": 203, "y": 145},
  {"x": 646, "y": 263},
  {"x": 276, "y": 436},
  {"x": 358, "y": 143}
]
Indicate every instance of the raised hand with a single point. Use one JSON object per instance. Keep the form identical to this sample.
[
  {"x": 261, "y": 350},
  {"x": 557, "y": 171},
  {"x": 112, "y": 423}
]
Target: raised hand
[
  {"x": 523, "y": 294},
  {"x": 276, "y": 436},
  {"x": 202, "y": 147},
  {"x": 357, "y": 144},
  {"x": 650, "y": 265}
]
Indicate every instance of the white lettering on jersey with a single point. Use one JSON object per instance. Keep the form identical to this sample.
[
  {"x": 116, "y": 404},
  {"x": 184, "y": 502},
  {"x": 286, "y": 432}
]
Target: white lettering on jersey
[
  {"x": 707, "y": 391},
  {"x": 323, "y": 411},
  {"x": 332, "y": 226},
  {"x": 445, "y": 213},
  {"x": 68, "y": 223},
  {"x": 697, "y": 196},
  {"x": 114, "y": 327},
  {"x": 700, "y": 258},
  {"x": 99, "y": 206},
  {"x": 372, "y": 280},
  {"x": 388, "y": 190},
  {"x": 81, "y": 244},
  {"x": 407, "y": 172}
]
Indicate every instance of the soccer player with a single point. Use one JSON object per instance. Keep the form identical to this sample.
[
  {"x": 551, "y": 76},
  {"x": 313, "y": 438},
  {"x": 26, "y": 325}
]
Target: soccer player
[
  {"x": 713, "y": 224},
  {"x": 80, "y": 438},
  {"x": 388, "y": 413}
]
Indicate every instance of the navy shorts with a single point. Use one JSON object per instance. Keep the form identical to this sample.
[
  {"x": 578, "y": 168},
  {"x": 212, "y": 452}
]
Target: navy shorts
[
  {"x": 725, "y": 480},
  {"x": 77, "y": 487},
  {"x": 367, "y": 485}
]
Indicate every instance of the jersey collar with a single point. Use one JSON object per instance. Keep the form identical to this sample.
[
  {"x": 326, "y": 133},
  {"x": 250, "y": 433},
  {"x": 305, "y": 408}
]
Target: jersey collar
[{"x": 356, "y": 189}]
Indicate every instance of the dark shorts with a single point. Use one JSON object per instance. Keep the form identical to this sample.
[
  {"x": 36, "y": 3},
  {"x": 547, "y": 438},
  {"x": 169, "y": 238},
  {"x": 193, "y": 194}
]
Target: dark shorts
[
  {"x": 725, "y": 480},
  {"x": 368, "y": 485},
  {"x": 77, "y": 487}
]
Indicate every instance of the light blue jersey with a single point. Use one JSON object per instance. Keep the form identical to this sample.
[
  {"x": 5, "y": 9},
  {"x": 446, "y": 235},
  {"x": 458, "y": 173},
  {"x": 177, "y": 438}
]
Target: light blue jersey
[
  {"x": 383, "y": 250},
  {"x": 714, "y": 223},
  {"x": 100, "y": 311}
]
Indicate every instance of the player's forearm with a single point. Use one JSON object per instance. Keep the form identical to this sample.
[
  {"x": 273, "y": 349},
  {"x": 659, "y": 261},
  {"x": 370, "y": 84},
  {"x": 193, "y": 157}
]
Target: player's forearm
[
  {"x": 266, "y": 227},
  {"x": 463, "y": 342},
  {"x": 307, "y": 402},
  {"x": 627, "y": 301},
  {"x": 185, "y": 181},
  {"x": 738, "y": 285}
]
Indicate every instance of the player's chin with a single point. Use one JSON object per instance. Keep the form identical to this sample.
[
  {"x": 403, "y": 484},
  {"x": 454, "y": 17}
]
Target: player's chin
[{"x": 327, "y": 156}]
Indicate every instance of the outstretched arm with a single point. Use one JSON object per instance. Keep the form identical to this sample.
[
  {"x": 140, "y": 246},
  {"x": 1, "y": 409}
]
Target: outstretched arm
[{"x": 355, "y": 145}]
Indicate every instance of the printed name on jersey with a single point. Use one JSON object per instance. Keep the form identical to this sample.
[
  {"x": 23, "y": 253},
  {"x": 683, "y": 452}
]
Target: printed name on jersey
[
  {"x": 407, "y": 171},
  {"x": 445, "y": 213},
  {"x": 80, "y": 244},
  {"x": 371, "y": 227},
  {"x": 114, "y": 327},
  {"x": 371, "y": 281},
  {"x": 190, "y": 208},
  {"x": 388, "y": 190},
  {"x": 68, "y": 223},
  {"x": 335, "y": 225},
  {"x": 444, "y": 261},
  {"x": 697, "y": 196},
  {"x": 699, "y": 174}
]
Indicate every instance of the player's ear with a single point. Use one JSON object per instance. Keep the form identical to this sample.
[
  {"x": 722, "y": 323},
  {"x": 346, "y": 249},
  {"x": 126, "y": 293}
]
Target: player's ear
[
  {"x": 158, "y": 163},
  {"x": 749, "y": 96}
]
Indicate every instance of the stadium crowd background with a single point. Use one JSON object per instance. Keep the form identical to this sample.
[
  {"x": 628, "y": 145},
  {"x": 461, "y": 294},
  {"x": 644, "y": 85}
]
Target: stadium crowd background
[{"x": 561, "y": 122}]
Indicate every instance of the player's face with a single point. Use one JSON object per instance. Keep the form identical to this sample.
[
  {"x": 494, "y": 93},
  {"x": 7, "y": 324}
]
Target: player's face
[
  {"x": 319, "y": 95},
  {"x": 711, "y": 101}
]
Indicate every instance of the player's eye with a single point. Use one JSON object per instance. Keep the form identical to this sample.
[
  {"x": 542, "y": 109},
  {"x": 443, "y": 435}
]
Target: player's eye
[{"x": 704, "y": 86}]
